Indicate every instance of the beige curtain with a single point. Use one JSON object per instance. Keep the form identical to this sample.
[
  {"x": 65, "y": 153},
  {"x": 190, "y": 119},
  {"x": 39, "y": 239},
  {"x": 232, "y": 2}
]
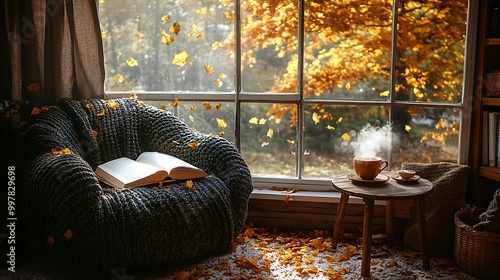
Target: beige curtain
[{"x": 55, "y": 50}]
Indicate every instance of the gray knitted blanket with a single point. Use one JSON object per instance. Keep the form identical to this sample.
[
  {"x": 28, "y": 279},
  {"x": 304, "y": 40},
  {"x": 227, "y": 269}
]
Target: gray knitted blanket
[{"x": 92, "y": 229}]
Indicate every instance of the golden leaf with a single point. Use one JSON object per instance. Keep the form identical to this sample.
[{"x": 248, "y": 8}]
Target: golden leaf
[
  {"x": 330, "y": 127},
  {"x": 191, "y": 62},
  {"x": 118, "y": 55},
  {"x": 218, "y": 82},
  {"x": 348, "y": 86},
  {"x": 222, "y": 75},
  {"x": 175, "y": 103},
  {"x": 208, "y": 106},
  {"x": 346, "y": 137},
  {"x": 112, "y": 104},
  {"x": 68, "y": 234},
  {"x": 191, "y": 118},
  {"x": 195, "y": 27},
  {"x": 166, "y": 39},
  {"x": 50, "y": 240},
  {"x": 100, "y": 113},
  {"x": 163, "y": 107},
  {"x": 384, "y": 93},
  {"x": 33, "y": 87},
  {"x": 201, "y": 35},
  {"x": 121, "y": 78},
  {"x": 94, "y": 134},
  {"x": 339, "y": 120},
  {"x": 407, "y": 128},
  {"x": 216, "y": 45},
  {"x": 192, "y": 108},
  {"x": 316, "y": 118},
  {"x": 209, "y": 69},
  {"x": 35, "y": 111},
  {"x": 190, "y": 34},
  {"x": 65, "y": 151},
  {"x": 140, "y": 35},
  {"x": 138, "y": 17},
  {"x": 262, "y": 121},
  {"x": 201, "y": 11},
  {"x": 194, "y": 145},
  {"x": 132, "y": 62},
  {"x": 253, "y": 120},
  {"x": 218, "y": 106},
  {"x": 133, "y": 96},
  {"x": 288, "y": 198},
  {"x": 180, "y": 59},
  {"x": 141, "y": 103},
  {"x": 175, "y": 28},
  {"x": 165, "y": 18},
  {"x": 229, "y": 15},
  {"x": 290, "y": 142},
  {"x": 221, "y": 123},
  {"x": 221, "y": 134},
  {"x": 270, "y": 133},
  {"x": 90, "y": 107}
]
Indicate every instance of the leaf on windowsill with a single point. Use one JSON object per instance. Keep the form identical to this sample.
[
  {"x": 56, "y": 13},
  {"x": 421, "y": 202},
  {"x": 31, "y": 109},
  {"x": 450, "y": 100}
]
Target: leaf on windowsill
[
  {"x": 207, "y": 105},
  {"x": 133, "y": 96}
]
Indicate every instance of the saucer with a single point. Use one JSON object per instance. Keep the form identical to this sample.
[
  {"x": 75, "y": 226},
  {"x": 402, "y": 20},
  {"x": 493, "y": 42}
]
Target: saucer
[
  {"x": 379, "y": 179},
  {"x": 399, "y": 179}
]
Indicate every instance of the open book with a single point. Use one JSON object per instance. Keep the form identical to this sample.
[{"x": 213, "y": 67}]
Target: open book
[{"x": 149, "y": 168}]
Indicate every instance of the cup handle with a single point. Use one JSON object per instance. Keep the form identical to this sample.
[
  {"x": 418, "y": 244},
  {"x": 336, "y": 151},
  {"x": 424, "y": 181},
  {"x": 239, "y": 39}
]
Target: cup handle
[{"x": 382, "y": 166}]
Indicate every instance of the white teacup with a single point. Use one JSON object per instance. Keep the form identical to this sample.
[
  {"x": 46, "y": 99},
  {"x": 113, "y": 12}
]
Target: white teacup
[{"x": 367, "y": 168}]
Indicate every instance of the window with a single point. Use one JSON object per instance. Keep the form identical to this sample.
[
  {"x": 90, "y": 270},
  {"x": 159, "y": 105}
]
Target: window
[{"x": 300, "y": 87}]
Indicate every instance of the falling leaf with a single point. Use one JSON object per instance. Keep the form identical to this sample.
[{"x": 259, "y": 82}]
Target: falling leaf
[
  {"x": 35, "y": 111},
  {"x": 140, "y": 35},
  {"x": 132, "y": 62},
  {"x": 262, "y": 121},
  {"x": 264, "y": 144},
  {"x": 100, "y": 113},
  {"x": 254, "y": 120},
  {"x": 290, "y": 142},
  {"x": 222, "y": 75},
  {"x": 216, "y": 45},
  {"x": 166, "y": 39},
  {"x": 94, "y": 134},
  {"x": 118, "y": 55},
  {"x": 175, "y": 103},
  {"x": 407, "y": 128},
  {"x": 121, "y": 78},
  {"x": 208, "y": 106},
  {"x": 68, "y": 234},
  {"x": 218, "y": 82},
  {"x": 133, "y": 96},
  {"x": 180, "y": 59},
  {"x": 339, "y": 120},
  {"x": 163, "y": 107},
  {"x": 330, "y": 127},
  {"x": 190, "y": 34},
  {"x": 201, "y": 35},
  {"x": 90, "y": 107},
  {"x": 142, "y": 103},
  {"x": 209, "y": 69},
  {"x": 294, "y": 154},
  {"x": 346, "y": 137},
  {"x": 384, "y": 93},
  {"x": 229, "y": 15},
  {"x": 165, "y": 18},
  {"x": 201, "y": 11},
  {"x": 348, "y": 86},
  {"x": 194, "y": 145},
  {"x": 218, "y": 106},
  {"x": 221, "y": 123},
  {"x": 221, "y": 134},
  {"x": 195, "y": 27},
  {"x": 138, "y": 17},
  {"x": 33, "y": 87},
  {"x": 175, "y": 28},
  {"x": 316, "y": 118},
  {"x": 270, "y": 133},
  {"x": 112, "y": 104},
  {"x": 50, "y": 240},
  {"x": 192, "y": 108},
  {"x": 191, "y": 118}
]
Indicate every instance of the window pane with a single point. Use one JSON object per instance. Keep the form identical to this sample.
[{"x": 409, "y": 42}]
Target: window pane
[
  {"x": 168, "y": 45},
  {"x": 348, "y": 49},
  {"x": 269, "y": 31},
  {"x": 215, "y": 118},
  {"x": 268, "y": 138},
  {"x": 334, "y": 134},
  {"x": 425, "y": 135},
  {"x": 430, "y": 50}
]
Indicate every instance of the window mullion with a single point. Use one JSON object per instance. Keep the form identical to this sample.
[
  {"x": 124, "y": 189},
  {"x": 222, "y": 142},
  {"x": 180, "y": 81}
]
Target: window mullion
[
  {"x": 300, "y": 76},
  {"x": 393, "y": 72},
  {"x": 237, "y": 42}
]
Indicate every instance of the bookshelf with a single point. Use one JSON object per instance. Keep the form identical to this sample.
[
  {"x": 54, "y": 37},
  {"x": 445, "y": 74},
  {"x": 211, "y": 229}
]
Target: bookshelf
[{"x": 484, "y": 179}]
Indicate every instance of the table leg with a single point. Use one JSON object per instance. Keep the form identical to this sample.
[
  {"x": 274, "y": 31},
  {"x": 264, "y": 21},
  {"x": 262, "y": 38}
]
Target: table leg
[
  {"x": 344, "y": 198},
  {"x": 389, "y": 216},
  {"x": 422, "y": 230},
  {"x": 367, "y": 238}
]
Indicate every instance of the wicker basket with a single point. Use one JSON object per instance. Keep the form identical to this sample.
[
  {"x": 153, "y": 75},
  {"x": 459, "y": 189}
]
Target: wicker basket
[{"x": 476, "y": 252}]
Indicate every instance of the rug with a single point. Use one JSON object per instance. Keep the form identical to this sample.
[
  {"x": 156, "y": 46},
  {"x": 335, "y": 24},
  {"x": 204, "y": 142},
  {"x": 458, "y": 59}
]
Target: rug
[{"x": 263, "y": 253}]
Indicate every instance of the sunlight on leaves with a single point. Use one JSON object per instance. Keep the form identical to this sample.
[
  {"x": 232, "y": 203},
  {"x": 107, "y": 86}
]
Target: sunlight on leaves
[
  {"x": 195, "y": 27},
  {"x": 264, "y": 144},
  {"x": 290, "y": 142}
]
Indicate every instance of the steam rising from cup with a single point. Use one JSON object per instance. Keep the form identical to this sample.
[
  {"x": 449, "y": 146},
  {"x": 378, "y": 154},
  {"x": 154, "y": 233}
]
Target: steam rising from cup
[{"x": 371, "y": 141}]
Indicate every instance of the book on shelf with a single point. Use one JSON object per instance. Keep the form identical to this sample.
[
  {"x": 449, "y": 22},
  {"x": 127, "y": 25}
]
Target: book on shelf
[
  {"x": 148, "y": 169},
  {"x": 490, "y": 152}
]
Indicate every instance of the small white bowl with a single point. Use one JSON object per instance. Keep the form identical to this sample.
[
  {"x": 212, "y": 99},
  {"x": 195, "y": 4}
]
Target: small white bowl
[{"x": 406, "y": 173}]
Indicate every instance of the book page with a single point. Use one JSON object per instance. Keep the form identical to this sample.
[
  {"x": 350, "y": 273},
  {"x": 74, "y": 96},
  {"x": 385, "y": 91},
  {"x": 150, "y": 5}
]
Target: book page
[
  {"x": 123, "y": 172},
  {"x": 177, "y": 168}
]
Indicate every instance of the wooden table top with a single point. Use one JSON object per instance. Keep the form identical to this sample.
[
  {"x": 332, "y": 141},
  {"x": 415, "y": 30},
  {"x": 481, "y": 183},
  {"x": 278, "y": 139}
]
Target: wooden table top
[{"x": 390, "y": 189}]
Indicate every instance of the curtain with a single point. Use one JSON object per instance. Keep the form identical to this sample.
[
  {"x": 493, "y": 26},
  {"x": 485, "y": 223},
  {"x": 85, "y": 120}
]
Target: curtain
[{"x": 55, "y": 50}]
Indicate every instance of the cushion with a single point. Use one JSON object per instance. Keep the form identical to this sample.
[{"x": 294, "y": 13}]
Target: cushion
[
  {"x": 447, "y": 196},
  {"x": 490, "y": 219}
]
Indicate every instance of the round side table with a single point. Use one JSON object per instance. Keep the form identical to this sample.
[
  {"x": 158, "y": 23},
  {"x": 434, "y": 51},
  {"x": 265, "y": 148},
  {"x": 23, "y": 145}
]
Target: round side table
[{"x": 388, "y": 191}]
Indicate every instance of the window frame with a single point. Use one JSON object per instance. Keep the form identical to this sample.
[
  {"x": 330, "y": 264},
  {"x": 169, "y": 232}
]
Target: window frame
[{"x": 466, "y": 106}]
